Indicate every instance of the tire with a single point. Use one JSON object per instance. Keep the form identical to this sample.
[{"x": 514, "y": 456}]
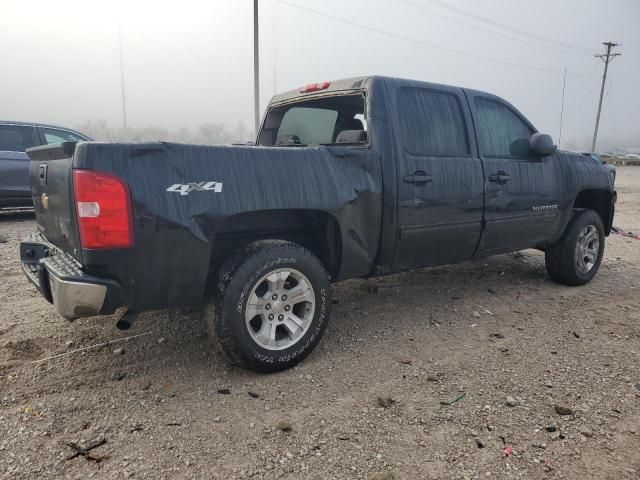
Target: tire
[
  {"x": 283, "y": 331},
  {"x": 566, "y": 260}
]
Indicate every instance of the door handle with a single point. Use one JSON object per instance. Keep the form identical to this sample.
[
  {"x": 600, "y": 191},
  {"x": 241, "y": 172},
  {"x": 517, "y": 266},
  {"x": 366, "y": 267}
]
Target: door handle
[
  {"x": 419, "y": 178},
  {"x": 500, "y": 178}
]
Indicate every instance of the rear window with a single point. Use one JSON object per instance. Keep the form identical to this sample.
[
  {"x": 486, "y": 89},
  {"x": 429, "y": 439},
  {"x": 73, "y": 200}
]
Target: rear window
[
  {"x": 310, "y": 125},
  {"x": 321, "y": 121},
  {"x": 17, "y": 138},
  {"x": 432, "y": 123}
]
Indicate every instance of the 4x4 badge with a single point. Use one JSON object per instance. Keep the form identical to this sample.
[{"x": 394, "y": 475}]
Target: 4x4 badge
[{"x": 186, "y": 188}]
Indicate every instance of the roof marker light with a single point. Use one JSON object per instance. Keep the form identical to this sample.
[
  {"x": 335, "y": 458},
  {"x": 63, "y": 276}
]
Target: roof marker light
[{"x": 314, "y": 87}]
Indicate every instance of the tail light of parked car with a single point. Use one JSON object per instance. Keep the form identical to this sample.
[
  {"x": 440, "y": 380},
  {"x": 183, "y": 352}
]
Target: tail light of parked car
[{"x": 103, "y": 209}]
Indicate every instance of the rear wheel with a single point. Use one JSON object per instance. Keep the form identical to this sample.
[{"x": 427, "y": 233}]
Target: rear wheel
[
  {"x": 575, "y": 258},
  {"x": 271, "y": 306}
]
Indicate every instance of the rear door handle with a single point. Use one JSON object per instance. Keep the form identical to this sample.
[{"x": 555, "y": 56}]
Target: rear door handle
[
  {"x": 500, "y": 178},
  {"x": 419, "y": 178}
]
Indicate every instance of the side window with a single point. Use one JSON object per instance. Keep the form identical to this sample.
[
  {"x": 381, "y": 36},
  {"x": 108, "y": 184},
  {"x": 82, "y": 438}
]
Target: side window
[
  {"x": 501, "y": 133},
  {"x": 432, "y": 123},
  {"x": 17, "y": 138},
  {"x": 53, "y": 135}
]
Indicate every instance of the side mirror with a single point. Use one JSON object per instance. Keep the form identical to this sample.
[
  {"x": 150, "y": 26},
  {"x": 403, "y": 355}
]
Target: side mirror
[{"x": 542, "y": 144}]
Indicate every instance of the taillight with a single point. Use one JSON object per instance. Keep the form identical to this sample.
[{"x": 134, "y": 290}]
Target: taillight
[
  {"x": 103, "y": 209},
  {"x": 314, "y": 87}
]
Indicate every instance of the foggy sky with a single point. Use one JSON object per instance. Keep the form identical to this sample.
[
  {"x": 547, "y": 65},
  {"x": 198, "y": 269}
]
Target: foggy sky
[{"x": 190, "y": 61}]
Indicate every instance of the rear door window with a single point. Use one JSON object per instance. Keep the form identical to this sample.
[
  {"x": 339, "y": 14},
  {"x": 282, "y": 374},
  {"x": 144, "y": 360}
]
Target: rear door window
[
  {"x": 17, "y": 138},
  {"x": 54, "y": 135},
  {"x": 432, "y": 123}
]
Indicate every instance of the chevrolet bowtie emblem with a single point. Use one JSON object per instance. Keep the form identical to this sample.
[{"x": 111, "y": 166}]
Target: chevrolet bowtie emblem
[{"x": 44, "y": 200}]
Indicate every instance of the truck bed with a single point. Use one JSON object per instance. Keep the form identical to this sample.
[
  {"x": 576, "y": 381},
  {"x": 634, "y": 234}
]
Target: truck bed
[{"x": 184, "y": 197}]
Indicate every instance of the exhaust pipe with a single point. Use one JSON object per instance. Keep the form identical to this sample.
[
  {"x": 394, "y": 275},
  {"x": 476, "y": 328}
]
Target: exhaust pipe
[{"x": 126, "y": 320}]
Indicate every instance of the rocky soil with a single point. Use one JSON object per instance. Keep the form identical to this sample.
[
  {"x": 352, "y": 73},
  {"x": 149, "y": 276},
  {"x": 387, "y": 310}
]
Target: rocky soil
[{"x": 481, "y": 370}]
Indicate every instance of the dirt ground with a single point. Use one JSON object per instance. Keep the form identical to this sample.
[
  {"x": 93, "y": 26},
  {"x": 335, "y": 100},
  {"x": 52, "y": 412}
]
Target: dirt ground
[{"x": 168, "y": 406}]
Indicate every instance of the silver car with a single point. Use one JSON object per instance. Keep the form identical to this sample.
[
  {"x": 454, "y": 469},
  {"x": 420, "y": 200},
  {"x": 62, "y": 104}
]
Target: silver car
[{"x": 15, "y": 138}]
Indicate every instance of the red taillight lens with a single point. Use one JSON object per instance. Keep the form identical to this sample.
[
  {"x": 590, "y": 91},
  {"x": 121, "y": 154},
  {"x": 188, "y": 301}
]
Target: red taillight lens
[
  {"x": 314, "y": 87},
  {"x": 103, "y": 209}
]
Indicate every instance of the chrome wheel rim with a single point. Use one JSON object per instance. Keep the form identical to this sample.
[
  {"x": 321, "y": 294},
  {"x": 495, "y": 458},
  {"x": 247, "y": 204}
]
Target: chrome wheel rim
[
  {"x": 280, "y": 309},
  {"x": 587, "y": 248}
]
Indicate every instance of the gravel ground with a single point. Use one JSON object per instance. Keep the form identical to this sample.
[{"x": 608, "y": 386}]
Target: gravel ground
[{"x": 483, "y": 369}]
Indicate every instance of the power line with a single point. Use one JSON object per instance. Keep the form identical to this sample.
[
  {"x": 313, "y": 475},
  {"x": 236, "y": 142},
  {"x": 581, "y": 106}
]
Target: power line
[
  {"x": 612, "y": 102},
  {"x": 477, "y": 27},
  {"x": 571, "y": 104},
  {"x": 566, "y": 113},
  {"x": 416, "y": 41},
  {"x": 575, "y": 107},
  {"x": 507, "y": 27}
]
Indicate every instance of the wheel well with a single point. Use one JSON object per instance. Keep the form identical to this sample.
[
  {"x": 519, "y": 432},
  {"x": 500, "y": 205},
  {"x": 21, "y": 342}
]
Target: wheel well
[
  {"x": 600, "y": 202},
  {"x": 317, "y": 231}
]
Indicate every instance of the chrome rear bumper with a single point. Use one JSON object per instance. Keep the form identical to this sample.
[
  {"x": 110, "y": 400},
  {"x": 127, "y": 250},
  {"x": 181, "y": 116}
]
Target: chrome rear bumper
[
  {"x": 61, "y": 280},
  {"x": 75, "y": 299}
]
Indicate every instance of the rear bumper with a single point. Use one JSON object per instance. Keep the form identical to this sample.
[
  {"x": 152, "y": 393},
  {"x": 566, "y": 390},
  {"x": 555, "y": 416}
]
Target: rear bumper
[{"x": 60, "y": 279}]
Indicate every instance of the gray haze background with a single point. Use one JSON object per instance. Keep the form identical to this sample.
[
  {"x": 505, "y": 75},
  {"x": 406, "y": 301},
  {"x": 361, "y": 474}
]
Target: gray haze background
[{"x": 188, "y": 63}]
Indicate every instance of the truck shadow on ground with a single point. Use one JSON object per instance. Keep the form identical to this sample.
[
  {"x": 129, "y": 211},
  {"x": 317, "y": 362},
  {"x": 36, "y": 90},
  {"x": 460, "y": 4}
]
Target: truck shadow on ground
[{"x": 176, "y": 345}]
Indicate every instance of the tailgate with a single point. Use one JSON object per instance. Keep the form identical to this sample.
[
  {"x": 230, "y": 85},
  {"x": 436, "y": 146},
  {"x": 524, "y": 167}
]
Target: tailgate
[{"x": 50, "y": 175}]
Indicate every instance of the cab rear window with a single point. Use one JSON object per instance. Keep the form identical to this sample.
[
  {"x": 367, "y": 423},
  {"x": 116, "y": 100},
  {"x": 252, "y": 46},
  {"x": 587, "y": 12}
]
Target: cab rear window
[
  {"x": 322, "y": 121},
  {"x": 310, "y": 125}
]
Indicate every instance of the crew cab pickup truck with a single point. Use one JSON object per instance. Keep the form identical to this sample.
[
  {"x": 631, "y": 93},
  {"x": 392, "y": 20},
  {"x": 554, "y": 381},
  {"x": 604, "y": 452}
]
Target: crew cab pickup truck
[{"x": 351, "y": 178}]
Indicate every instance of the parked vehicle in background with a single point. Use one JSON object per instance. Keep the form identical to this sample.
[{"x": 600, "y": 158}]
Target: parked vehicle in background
[
  {"x": 353, "y": 178},
  {"x": 15, "y": 138},
  {"x": 595, "y": 156}
]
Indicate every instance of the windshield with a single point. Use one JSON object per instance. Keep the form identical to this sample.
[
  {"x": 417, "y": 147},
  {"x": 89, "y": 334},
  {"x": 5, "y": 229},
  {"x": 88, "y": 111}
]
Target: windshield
[{"x": 330, "y": 120}]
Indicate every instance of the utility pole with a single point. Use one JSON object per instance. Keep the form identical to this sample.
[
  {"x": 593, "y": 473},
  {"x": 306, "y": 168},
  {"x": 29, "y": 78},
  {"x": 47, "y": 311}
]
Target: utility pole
[
  {"x": 256, "y": 67},
  {"x": 274, "y": 63},
  {"x": 606, "y": 58},
  {"x": 124, "y": 102}
]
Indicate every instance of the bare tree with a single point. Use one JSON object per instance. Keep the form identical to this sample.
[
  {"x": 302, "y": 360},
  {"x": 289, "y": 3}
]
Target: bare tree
[{"x": 210, "y": 133}]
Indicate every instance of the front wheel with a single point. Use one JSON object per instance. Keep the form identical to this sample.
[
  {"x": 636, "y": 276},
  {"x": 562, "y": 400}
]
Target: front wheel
[
  {"x": 575, "y": 258},
  {"x": 271, "y": 307}
]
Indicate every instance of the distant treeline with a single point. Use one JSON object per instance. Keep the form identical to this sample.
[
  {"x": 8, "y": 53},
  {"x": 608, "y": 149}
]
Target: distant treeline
[{"x": 206, "y": 133}]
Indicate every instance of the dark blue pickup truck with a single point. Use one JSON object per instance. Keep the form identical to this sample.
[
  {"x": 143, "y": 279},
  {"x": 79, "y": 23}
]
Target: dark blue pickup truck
[{"x": 351, "y": 178}]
